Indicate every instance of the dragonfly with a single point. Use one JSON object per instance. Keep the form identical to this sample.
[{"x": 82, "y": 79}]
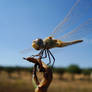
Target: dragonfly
[{"x": 76, "y": 25}]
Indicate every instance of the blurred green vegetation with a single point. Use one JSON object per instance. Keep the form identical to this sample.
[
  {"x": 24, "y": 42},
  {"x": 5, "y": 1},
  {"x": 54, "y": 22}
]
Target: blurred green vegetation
[
  {"x": 73, "y": 69},
  {"x": 11, "y": 69}
]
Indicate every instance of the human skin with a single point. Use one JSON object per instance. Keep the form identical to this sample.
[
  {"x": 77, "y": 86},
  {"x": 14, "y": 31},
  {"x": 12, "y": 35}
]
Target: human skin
[{"x": 41, "y": 86}]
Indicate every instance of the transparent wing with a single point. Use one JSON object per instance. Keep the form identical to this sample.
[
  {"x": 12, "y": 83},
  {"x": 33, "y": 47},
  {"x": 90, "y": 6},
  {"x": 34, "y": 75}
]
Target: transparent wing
[
  {"x": 80, "y": 32},
  {"x": 78, "y": 14},
  {"x": 27, "y": 50}
]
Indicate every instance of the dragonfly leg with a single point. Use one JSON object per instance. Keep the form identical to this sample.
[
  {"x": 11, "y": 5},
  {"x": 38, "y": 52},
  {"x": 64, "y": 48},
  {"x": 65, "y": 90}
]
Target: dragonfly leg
[
  {"x": 39, "y": 54},
  {"x": 45, "y": 54},
  {"x": 52, "y": 57},
  {"x": 48, "y": 57}
]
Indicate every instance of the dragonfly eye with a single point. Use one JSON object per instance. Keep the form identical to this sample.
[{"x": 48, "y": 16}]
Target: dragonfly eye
[
  {"x": 39, "y": 41},
  {"x": 38, "y": 44}
]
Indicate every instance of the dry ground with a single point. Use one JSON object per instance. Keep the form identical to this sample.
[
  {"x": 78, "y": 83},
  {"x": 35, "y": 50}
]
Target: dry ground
[{"x": 21, "y": 82}]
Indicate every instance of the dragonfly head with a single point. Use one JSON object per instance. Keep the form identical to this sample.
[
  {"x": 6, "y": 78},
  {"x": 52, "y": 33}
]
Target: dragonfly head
[{"x": 38, "y": 44}]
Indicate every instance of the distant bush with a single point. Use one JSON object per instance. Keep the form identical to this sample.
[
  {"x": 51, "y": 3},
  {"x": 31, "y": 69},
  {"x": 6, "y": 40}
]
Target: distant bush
[
  {"x": 1, "y": 68},
  {"x": 59, "y": 70},
  {"x": 73, "y": 69},
  {"x": 17, "y": 69},
  {"x": 86, "y": 71}
]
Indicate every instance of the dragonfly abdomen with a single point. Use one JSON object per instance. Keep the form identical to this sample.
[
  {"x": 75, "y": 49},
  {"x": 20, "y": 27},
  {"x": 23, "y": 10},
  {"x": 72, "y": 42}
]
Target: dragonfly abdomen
[{"x": 63, "y": 44}]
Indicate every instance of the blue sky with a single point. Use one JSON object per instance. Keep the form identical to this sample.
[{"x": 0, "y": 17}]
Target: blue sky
[{"x": 22, "y": 21}]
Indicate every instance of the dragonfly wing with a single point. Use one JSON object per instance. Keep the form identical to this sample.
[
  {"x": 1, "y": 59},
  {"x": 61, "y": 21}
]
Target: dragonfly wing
[
  {"x": 27, "y": 50},
  {"x": 79, "y": 13},
  {"x": 82, "y": 31}
]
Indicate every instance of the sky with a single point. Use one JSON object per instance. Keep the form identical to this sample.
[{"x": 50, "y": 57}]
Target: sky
[{"x": 22, "y": 21}]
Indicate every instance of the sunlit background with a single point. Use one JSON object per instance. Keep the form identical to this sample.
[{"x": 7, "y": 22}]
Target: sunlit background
[{"x": 22, "y": 21}]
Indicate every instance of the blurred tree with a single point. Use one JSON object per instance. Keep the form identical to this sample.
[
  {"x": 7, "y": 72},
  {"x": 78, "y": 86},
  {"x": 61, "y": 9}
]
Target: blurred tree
[
  {"x": 73, "y": 69},
  {"x": 1, "y": 68},
  {"x": 10, "y": 70},
  {"x": 86, "y": 71},
  {"x": 59, "y": 70}
]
